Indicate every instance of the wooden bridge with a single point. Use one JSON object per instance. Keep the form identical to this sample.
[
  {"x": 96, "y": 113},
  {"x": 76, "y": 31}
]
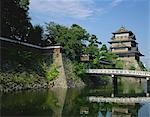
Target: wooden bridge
[
  {"x": 119, "y": 99},
  {"x": 118, "y": 72}
]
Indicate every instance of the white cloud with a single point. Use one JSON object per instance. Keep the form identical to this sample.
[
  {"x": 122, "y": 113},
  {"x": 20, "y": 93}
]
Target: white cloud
[
  {"x": 79, "y": 9},
  {"x": 115, "y": 3},
  {"x": 71, "y": 8}
]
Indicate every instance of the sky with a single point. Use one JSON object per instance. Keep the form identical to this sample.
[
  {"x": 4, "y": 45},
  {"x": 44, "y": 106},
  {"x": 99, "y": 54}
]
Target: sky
[{"x": 99, "y": 17}]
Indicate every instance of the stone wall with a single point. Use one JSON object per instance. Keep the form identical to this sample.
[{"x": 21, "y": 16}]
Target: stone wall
[
  {"x": 130, "y": 82},
  {"x": 60, "y": 81},
  {"x": 130, "y": 61}
]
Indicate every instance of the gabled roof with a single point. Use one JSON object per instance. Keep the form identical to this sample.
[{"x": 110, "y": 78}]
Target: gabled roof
[{"x": 122, "y": 29}]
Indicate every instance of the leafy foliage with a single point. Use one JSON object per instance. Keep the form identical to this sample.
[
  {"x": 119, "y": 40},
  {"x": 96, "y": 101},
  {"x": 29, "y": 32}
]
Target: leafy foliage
[
  {"x": 132, "y": 67},
  {"x": 101, "y": 54},
  {"x": 71, "y": 38},
  {"x": 119, "y": 64},
  {"x": 15, "y": 22},
  {"x": 77, "y": 41},
  {"x": 52, "y": 73},
  {"x": 79, "y": 69},
  {"x": 36, "y": 35},
  {"x": 142, "y": 66}
]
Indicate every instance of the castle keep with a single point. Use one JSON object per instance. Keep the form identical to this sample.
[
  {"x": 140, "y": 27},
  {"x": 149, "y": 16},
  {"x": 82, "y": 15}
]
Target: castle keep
[{"x": 123, "y": 43}]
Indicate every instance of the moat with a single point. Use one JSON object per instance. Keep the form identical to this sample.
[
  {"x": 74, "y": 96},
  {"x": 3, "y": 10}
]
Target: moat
[{"x": 74, "y": 102}]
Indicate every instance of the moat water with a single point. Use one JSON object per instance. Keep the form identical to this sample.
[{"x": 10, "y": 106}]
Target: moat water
[{"x": 73, "y": 102}]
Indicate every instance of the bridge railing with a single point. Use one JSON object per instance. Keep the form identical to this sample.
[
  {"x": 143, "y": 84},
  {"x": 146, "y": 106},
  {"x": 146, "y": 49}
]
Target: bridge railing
[{"x": 119, "y": 72}]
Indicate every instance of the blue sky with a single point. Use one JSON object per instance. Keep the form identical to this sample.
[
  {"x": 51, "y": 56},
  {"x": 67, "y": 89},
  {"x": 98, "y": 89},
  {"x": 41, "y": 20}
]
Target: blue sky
[{"x": 99, "y": 17}]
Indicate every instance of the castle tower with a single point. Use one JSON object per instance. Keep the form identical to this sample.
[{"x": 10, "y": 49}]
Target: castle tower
[{"x": 123, "y": 43}]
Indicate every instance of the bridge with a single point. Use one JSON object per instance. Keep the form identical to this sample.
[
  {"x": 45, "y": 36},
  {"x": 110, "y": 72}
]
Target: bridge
[
  {"x": 119, "y": 99},
  {"x": 118, "y": 72}
]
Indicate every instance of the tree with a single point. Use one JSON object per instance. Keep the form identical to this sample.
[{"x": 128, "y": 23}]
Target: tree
[
  {"x": 71, "y": 38},
  {"x": 94, "y": 51},
  {"x": 52, "y": 33},
  {"x": 104, "y": 48},
  {"x": 15, "y": 22},
  {"x": 76, "y": 40},
  {"x": 35, "y": 35}
]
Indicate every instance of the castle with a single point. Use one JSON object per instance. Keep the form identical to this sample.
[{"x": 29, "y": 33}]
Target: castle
[{"x": 123, "y": 43}]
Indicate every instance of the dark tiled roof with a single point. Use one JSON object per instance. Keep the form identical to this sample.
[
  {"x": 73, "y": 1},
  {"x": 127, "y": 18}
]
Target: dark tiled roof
[
  {"x": 122, "y": 29},
  {"x": 120, "y": 47},
  {"x": 116, "y": 41},
  {"x": 130, "y": 52}
]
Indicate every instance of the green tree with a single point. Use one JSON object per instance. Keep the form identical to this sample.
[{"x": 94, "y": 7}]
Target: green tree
[
  {"x": 100, "y": 54},
  {"x": 36, "y": 34},
  {"x": 72, "y": 38},
  {"x": 94, "y": 51},
  {"x": 15, "y": 22},
  {"x": 76, "y": 40},
  {"x": 104, "y": 48}
]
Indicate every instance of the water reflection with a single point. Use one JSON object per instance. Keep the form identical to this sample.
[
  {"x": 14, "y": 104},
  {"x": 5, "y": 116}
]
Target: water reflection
[
  {"x": 115, "y": 110},
  {"x": 28, "y": 103},
  {"x": 125, "y": 86},
  {"x": 40, "y": 102},
  {"x": 71, "y": 102},
  {"x": 76, "y": 104}
]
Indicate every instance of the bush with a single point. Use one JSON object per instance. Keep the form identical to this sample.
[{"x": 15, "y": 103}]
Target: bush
[
  {"x": 52, "y": 73},
  {"x": 132, "y": 67},
  {"x": 79, "y": 69},
  {"x": 142, "y": 66},
  {"x": 119, "y": 64},
  {"x": 19, "y": 80}
]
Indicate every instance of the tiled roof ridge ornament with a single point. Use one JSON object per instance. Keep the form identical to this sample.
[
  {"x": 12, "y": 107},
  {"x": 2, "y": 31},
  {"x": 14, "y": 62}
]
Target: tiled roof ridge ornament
[{"x": 122, "y": 29}]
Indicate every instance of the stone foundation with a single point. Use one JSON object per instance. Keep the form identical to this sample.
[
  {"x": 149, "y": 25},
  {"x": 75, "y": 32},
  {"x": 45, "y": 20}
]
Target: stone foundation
[
  {"x": 129, "y": 83},
  {"x": 130, "y": 61},
  {"x": 60, "y": 81}
]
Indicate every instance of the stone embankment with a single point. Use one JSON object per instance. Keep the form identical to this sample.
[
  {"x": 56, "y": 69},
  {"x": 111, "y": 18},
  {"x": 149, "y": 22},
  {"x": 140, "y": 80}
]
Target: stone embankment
[
  {"x": 60, "y": 81},
  {"x": 17, "y": 82},
  {"x": 15, "y": 87},
  {"x": 119, "y": 100},
  {"x": 11, "y": 86}
]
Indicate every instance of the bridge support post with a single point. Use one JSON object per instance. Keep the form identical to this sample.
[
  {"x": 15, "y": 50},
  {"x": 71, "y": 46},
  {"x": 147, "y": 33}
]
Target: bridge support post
[
  {"x": 148, "y": 87},
  {"x": 114, "y": 86}
]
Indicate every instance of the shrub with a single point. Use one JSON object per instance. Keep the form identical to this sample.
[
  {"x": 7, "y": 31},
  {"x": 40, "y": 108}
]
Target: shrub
[
  {"x": 132, "y": 67},
  {"x": 79, "y": 69},
  {"x": 52, "y": 73},
  {"x": 142, "y": 66},
  {"x": 119, "y": 64}
]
